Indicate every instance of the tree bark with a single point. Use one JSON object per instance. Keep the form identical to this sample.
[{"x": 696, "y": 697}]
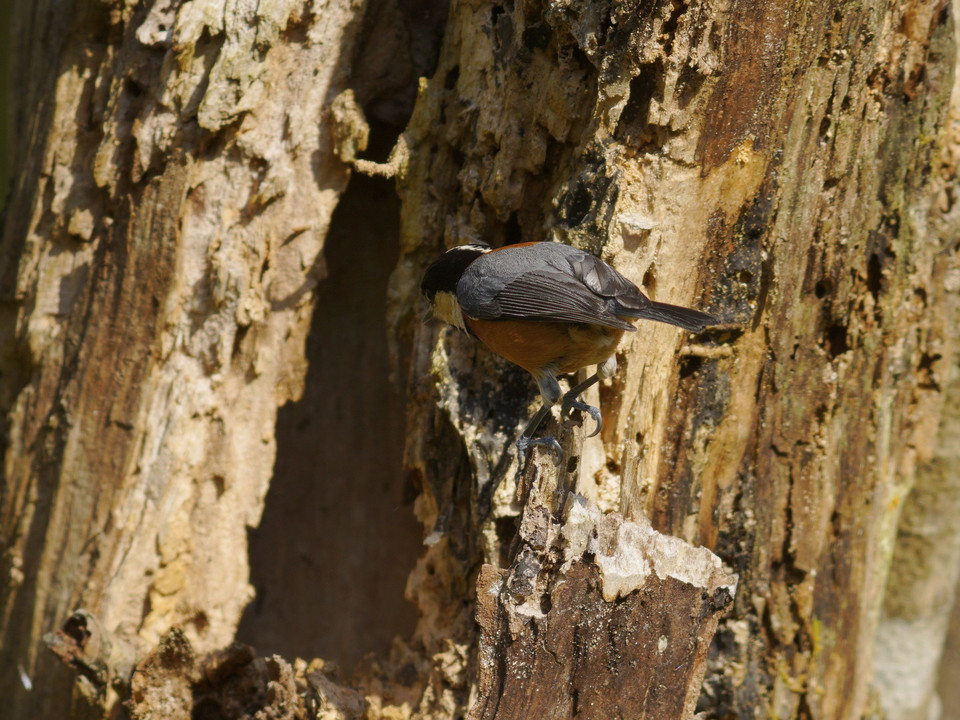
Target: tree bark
[
  {"x": 723, "y": 546},
  {"x": 173, "y": 187},
  {"x": 781, "y": 166}
]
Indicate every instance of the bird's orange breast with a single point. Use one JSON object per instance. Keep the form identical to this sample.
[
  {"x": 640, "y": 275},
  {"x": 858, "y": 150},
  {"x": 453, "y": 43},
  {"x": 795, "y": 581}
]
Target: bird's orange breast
[{"x": 535, "y": 345}]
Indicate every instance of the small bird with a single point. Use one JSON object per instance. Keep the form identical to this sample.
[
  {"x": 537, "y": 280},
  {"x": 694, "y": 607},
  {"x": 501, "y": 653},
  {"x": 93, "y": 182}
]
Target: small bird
[{"x": 549, "y": 308}]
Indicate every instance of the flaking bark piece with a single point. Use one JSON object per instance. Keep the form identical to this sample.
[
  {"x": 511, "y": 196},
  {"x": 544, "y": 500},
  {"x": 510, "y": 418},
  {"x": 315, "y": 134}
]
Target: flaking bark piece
[{"x": 626, "y": 618}]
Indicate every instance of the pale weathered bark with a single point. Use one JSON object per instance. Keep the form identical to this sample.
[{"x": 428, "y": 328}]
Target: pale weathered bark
[
  {"x": 785, "y": 167},
  {"x": 926, "y": 559},
  {"x": 776, "y": 164},
  {"x": 175, "y": 177}
]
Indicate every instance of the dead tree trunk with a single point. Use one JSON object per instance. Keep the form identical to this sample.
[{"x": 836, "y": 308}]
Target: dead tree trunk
[
  {"x": 174, "y": 178},
  {"x": 727, "y": 539},
  {"x": 788, "y": 168}
]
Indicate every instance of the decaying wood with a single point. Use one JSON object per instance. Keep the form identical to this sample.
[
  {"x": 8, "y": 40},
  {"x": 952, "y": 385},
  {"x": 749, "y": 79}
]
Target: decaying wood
[
  {"x": 172, "y": 682},
  {"x": 925, "y": 567},
  {"x": 783, "y": 166},
  {"x": 595, "y": 618},
  {"x": 923, "y": 576},
  {"x": 162, "y": 239},
  {"x": 775, "y": 164}
]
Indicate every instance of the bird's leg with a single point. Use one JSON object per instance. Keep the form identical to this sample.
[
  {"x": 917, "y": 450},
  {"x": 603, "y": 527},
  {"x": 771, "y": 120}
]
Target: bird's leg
[
  {"x": 526, "y": 440},
  {"x": 551, "y": 392},
  {"x": 572, "y": 399}
]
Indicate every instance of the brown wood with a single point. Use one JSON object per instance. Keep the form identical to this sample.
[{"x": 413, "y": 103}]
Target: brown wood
[
  {"x": 594, "y": 621},
  {"x": 788, "y": 167},
  {"x": 783, "y": 167},
  {"x": 170, "y": 202}
]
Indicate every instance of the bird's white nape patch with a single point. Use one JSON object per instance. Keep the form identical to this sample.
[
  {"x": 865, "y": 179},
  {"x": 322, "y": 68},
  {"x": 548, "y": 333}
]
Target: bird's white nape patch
[
  {"x": 481, "y": 248},
  {"x": 446, "y": 307}
]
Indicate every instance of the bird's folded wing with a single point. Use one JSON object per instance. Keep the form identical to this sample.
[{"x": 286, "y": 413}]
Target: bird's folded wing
[{"x": 545, "y": 296}]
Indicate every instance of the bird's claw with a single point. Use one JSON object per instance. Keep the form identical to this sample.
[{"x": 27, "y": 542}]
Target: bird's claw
[
  {"x": 525, "y": 443},
  {"x": 573, "y": 403}
]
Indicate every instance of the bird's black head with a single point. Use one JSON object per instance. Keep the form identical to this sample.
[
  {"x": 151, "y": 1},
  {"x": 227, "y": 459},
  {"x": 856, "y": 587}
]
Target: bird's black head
[{"x": 444, "y": 274}]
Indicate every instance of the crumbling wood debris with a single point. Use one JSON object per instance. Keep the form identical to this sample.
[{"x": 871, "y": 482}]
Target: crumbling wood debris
[
  {"x": 597, "y": 617},
  {"x": 172, "y": 682}
]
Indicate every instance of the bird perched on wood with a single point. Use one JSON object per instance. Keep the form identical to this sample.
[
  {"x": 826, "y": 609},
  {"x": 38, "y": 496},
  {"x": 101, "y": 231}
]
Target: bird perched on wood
[{"x": 549, "y": 308}]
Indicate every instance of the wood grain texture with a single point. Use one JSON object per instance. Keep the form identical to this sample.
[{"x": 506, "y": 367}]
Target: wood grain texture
[
  {"x": 596, "y": 618},
  {"x": 784, "y": 166},
  {"x": 173, "y": 191},
  {"x": 775, "y": 164}
]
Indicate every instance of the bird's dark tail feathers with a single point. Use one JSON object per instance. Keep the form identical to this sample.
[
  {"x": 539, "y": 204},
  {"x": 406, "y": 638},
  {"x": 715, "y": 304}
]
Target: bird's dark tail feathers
[{"x": 692, "y": 320}]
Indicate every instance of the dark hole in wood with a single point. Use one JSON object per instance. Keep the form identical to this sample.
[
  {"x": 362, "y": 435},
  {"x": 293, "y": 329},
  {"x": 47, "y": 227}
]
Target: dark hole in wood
[
  {"x": 331, "y": 556},
  {"x": 874, "y": 276}
]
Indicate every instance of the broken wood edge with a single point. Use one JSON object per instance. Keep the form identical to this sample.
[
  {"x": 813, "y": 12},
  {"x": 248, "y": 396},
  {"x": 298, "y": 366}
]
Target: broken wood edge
[
  {"x": 628, "y": 551},
  {"x": 597, "y": 616},
  {"x": 173, "y": 678}
]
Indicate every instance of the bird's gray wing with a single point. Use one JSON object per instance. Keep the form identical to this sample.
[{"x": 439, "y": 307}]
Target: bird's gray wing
[{"x": 543, "y": 282}]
